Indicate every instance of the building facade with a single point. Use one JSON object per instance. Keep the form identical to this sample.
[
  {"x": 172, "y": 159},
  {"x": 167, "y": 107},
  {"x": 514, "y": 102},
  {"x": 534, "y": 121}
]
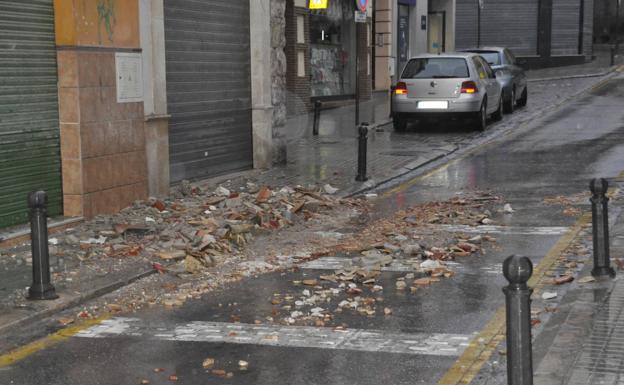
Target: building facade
[
  {"x": 541, "y": 33},
  {"x": 108, "y": 101},
  {"x": 321, "y": 46}
]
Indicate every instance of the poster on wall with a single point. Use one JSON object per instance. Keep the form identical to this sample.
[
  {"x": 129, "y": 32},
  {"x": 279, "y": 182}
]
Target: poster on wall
[
  {"x": 403, "y": 38},
  {"x": 362, "y": 5}
]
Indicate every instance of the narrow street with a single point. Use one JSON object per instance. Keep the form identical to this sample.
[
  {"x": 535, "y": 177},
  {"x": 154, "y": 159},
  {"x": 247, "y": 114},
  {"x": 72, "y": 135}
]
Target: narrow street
[{"x": 420, "y": 335}]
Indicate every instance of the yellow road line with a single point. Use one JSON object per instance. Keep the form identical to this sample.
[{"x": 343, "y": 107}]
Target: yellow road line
[
  {"x": 483, "y": 346},
  {"x": 44, "y": 343}
]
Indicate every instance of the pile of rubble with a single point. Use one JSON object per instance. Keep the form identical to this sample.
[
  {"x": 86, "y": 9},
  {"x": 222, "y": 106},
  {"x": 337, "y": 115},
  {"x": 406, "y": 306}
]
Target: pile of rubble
[
  {"x": 191, "y": 233},
  {"x": 407, "y": 242}
]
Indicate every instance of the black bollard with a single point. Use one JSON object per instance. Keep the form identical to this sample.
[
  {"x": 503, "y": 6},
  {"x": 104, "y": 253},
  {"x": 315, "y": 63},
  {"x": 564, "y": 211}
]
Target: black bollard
[
  {"x": 518, "y": 270},
  {"x": 612, "y": 55},
  {"x": 41, "y": 288},
  {"x": 392, "y": 89},
  {"x": 362, "y": 149},
  {"x": 317, "y": 117},
  {"x": 600, "y": 227}
]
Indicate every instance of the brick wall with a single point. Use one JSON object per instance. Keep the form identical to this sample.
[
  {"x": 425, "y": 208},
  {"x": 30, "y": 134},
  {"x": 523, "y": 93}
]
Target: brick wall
[
  {"x": 298, "y": 87},
  {"x": 102, "y": 141}
]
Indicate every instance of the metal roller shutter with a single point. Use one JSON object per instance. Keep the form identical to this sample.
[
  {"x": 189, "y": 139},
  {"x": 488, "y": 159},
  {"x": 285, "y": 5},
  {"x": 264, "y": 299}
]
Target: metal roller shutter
[
  {"x": 29, "y": 122},
  {"x": 466, "y": 24},
  {"x": 208, "y": 87},
  {"x": 512, "y": 24},
  {"x": 565, "y": 27},
  {"x": 588, "y": 28}
]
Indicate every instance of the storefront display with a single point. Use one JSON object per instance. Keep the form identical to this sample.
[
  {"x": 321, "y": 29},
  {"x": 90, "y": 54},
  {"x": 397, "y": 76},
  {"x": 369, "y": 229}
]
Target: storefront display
[{"x": 332, "y": 49}]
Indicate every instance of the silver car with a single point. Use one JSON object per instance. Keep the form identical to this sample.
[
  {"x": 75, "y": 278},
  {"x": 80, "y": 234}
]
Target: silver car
[
  {"x": 509, "y": 74},
  {"x": 444, "y": 86}
]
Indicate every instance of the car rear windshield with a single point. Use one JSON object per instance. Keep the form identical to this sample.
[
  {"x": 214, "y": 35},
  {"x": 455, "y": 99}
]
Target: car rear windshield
[
  {"x": 492, "y": 57},
  {"x": 436, "y": 68}
]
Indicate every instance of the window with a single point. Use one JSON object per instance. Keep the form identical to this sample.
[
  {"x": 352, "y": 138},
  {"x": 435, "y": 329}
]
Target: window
[
  {"x": 509, "y": 57},
  {"x": 488, "y": 70},
  {"x": 492, "y": 57},
  {"x": 435, "y": 68},
  {"x": 479, "y": 67}
]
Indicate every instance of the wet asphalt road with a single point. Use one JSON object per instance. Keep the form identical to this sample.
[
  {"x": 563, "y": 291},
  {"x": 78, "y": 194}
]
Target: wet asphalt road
[{"x": 555, "y": 156}]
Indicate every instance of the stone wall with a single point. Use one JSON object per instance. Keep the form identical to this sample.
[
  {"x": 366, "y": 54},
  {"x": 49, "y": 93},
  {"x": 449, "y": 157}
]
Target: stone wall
[{"x": 278, "y": 79}]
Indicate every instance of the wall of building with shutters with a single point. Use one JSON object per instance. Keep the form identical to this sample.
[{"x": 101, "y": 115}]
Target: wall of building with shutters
[
  {"x": 208, "y": 87},
  {"x": 512, "y": 24},
  {"x": 566, "y": 18},
  {"x": 29, "y": 119},
  {"x": 466, "y": 12},
  {"x": 588, "y": 29}
]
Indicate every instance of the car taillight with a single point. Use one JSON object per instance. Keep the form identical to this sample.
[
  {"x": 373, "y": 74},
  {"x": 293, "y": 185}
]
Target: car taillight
[
  {"x": 469, "y": 87},
  {"x": 401, "y": 88}
]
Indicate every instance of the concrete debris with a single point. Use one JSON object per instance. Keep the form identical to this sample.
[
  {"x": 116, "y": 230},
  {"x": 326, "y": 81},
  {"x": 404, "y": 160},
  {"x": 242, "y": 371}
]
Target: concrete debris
[
  {"x": 549, "y": 295},
  {"x": 330, "y": 190},
  {"x": 587, "y": 279},
  {"x": 222, "y": 192}
]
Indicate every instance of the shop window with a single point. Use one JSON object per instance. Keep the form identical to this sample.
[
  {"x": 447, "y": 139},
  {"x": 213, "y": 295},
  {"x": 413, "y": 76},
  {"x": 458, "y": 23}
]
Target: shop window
[{"x": 332, "y": 49}]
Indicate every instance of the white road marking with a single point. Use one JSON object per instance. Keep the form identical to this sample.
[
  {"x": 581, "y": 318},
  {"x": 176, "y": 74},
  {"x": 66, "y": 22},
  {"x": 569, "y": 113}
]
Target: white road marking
[
  {"x": 432, "y": 344},
  {"x": 530, "y": 230}
]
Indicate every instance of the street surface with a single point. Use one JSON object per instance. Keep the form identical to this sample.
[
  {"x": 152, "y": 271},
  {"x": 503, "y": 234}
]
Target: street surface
[{"x": 421, "y": 333}]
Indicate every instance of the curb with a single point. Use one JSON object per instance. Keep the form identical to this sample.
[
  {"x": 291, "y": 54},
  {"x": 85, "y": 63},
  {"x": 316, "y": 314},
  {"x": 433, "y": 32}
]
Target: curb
[
  {"x": 583, "y": 76},
  {"x": 22, "y": 234},
  {"x": 76, "y": 301},
  {"x": 400, "y": 174},
  {"x": 502, "y": 133}
]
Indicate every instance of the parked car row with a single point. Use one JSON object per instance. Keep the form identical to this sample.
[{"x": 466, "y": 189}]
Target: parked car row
[{"x": 470, "y": 85}]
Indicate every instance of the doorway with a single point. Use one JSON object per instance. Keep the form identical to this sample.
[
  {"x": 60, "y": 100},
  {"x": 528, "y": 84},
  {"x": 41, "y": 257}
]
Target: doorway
[{"x": 436, "y": 34}]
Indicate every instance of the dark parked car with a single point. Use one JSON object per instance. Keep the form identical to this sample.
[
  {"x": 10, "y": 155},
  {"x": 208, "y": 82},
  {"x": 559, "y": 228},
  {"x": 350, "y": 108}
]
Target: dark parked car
[{"x": 508, "y": 73}]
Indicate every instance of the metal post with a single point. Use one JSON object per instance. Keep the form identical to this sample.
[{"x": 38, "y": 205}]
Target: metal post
[
  {"x": 479, "y": 5},
  {"x": 600, "y": 225},
  {"x": 612, "y": 55},
  {"x": 617, "y": 26},
  {"x": 41, "y": 288},
  {"x": 362, "y": 149},
  {"x": 517, "y": 271},
  {"x": 317, "y": 117},
  {"x": 357, "y": 76},
  {"x": 392, "y": 89}
]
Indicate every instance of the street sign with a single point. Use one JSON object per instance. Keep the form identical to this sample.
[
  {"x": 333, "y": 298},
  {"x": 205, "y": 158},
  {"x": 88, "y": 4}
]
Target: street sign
[
  {"x": 360, "y": 17},
  {"x": 362, "y": 4},
  {"x": 318, "y": 4}
]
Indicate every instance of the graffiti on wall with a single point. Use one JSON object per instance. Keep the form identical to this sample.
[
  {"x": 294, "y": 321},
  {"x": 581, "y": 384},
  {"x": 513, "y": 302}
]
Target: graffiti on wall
[{"x": 106, "y": 17}]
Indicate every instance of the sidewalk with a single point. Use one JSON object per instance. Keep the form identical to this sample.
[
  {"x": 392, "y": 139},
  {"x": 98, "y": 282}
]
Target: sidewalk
[
  {"x": 331, "y": 157},
  {"x": 583, "y": 343},
  {"x": 598, "y": 67}
]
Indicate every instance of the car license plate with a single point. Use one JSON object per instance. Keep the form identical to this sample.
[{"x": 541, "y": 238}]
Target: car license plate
[{"x": 433, "y": 105}]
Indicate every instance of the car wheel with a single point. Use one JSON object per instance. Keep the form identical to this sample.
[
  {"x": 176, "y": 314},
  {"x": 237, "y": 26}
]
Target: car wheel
[
  {"x": 510, "y": 102},
  {"x": 498, "y": 115},
  {"x": 481, "y": 117},
  {"x": 399, "y": 124},
  {"x": 524, "y": 98}
]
